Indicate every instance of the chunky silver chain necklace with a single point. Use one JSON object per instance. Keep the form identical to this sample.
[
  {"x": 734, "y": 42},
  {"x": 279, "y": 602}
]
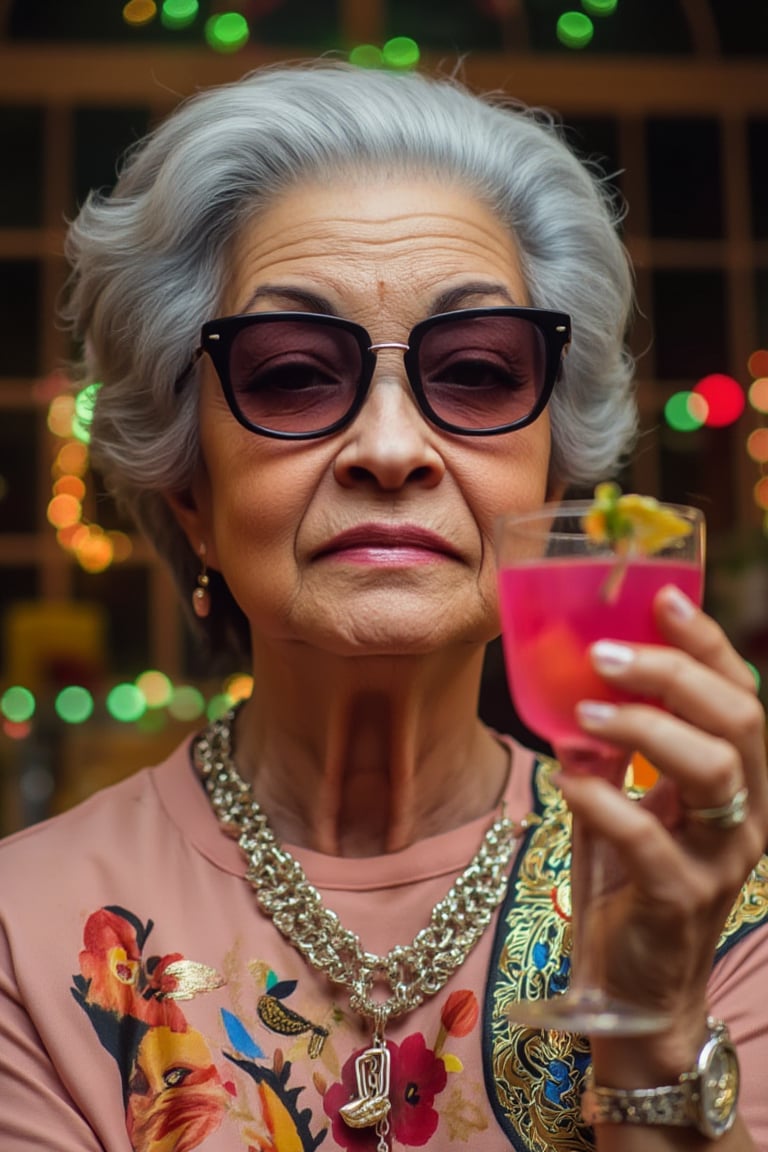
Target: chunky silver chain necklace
[{"x": 411, "y": 972}]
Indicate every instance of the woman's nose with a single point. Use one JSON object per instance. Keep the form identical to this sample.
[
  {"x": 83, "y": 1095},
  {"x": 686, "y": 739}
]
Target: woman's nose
[{"x": 389, "y": 442}]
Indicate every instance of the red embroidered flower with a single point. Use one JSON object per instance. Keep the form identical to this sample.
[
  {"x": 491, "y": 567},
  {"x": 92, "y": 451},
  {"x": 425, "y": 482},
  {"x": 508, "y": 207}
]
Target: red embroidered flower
[{"x": 417, "y": 1076}]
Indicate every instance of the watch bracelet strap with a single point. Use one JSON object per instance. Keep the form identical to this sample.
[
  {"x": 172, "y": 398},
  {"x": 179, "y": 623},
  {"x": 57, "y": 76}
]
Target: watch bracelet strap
[{"x": 669, "y": 1105}]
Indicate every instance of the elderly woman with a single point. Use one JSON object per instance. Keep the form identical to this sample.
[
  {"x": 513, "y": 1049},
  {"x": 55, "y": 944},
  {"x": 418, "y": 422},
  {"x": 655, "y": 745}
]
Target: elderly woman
[{"x": 289, "y": 296}]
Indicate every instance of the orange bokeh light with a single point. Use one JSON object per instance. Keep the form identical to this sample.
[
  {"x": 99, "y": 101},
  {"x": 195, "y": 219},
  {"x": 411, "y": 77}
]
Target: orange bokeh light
[
  {"x": 761, "y": 493},
  {"x": 757, "y": 364},
  {"x": 758, "y": 394},
  {"x": 71, "y": 459},
  {"x": 60, "y": 415},
  {"x": 64, "y": 510},
  {"x": 94, "y": 553},
  {"x": 69, "y": 485},
  {"x": 757, "y": 445}
]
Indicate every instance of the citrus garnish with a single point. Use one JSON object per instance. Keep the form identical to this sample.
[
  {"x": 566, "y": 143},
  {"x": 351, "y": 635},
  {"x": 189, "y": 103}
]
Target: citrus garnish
[{"x": 632, "y": 525}]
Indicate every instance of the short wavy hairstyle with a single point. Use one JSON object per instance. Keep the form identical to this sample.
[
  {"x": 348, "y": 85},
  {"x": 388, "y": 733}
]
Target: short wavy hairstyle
[{"x": 150, "y": 261}]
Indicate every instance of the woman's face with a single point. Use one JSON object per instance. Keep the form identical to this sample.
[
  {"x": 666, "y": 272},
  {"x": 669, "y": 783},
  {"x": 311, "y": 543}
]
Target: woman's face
[{"x": 379, "y": 538}]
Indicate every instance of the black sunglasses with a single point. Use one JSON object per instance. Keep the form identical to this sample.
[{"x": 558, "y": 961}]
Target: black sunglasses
[{"x": 298, "y": 375}]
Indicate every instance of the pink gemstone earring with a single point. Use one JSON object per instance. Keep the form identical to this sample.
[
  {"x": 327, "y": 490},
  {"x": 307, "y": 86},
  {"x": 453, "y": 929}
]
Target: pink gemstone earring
[{"x": 201, "y": 597}]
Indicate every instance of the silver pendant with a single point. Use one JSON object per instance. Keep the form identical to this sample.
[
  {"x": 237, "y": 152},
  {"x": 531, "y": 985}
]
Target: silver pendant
[{"x": 372, "y": 1075}]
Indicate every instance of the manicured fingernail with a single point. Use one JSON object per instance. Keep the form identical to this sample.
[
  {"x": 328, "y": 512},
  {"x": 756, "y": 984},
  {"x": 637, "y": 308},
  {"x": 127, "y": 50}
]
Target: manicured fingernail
[
  {"x": 608, "y": 656},
  {"x": 678, "y": 603},
  {"x": 595, "y": 713}
]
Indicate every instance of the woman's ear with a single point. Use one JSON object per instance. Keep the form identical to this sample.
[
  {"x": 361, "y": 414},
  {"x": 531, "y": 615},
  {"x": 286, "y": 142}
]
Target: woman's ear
[{"x": 191, "y": 508}]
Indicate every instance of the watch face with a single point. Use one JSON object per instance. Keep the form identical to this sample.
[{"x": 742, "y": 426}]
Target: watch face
[{"x": 719, "y": 1087}]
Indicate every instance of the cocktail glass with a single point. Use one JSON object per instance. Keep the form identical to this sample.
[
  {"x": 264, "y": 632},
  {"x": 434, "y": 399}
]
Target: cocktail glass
[{"x": 560, "y": 590}]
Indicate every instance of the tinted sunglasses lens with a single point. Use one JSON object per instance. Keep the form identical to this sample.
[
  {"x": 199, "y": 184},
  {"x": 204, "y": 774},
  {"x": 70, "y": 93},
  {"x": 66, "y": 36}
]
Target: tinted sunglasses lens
[
  {"x": 483, "y": 371},
  {"x": 294, "y": 375}
]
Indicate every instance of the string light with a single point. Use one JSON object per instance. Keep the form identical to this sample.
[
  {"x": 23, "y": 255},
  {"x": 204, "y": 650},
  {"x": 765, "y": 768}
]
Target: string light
[
  {"x": 724, "y": 398},
  {"x": 139, "y": 12},
  {"x": 400, "y": 53},
  {"x": 686, "y": 411},
  {"x": 227, "y": 32},
  {"x": 575, "y": 30},
  {"x": 179, "y": 13}
]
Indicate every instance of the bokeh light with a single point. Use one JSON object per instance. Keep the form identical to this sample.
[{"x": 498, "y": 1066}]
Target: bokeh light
[
  {"x": 179, "y": 13},
  {"x": 17, "y": 704},
  {"x": 16, "y": 731},
  {"x": 239, "y": 687},
  {"x": 156, "y": 688},
  {"x": 366, "y": 56},
  {"x": 724, "y": 396},
  {"x": 685, "y": 411},
  {"x": 400, "y": 52},
  {"x": 74, "y": 704},
  {"x": 94, "y": 551},
  {"x": 218, "y": 706},
  {"x": 758, "y": 394},
  {"x": 575, "y": 30},
  {"x": 600, "y": 7},
  {"x": 70, "y": 485},
  {"x": 63, "y": 511},
  {"x": 757, "y": 365},
  {"x": 761, "y": 493},
  {"x": 126, "y": 703},
  {"x": 138, "y": 12},
  {"x": 72, "y": 457},
  {"x": 187, "y": 703},
  {"x": 757, "y": 445},
  {"x": 227, "y": 32},
  {"x": 61, "y": 413},
  {"x": 756, "y": 673}
]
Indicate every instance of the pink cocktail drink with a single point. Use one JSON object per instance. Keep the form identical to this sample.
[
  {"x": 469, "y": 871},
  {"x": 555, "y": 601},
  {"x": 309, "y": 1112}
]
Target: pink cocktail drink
[{"x": 552, "y": 611}]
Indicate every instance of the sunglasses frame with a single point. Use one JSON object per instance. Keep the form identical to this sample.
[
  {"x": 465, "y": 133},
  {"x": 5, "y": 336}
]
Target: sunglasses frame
[{"x": 217, "y": 336}]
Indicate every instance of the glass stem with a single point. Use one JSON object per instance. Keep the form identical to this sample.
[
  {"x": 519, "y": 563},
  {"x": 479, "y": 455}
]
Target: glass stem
[{"x": 588, "y": 881}]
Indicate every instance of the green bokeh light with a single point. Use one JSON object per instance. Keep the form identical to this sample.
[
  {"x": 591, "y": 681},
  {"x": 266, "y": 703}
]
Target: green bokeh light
[
  {"x": 682, "y": 412},
  {"x": 400, "y": 52},
  {"x": 188, "y": 703},
  {"x": 599, "y": 7},
  {"x": 126, "y": 703},
  {"x": 179, "y": 13},
  {"x": 227, "y": 32},
  {"x": 74, "y": 704},
  {"x": 366, "y": 56},
  {"x": 17, "y": 704},
  {"x": 575, "y": 30},
  {"x": 218, "y": 706}
]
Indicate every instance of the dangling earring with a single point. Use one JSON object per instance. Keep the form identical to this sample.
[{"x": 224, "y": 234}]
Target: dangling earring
[{"x": 201, "y": 597}]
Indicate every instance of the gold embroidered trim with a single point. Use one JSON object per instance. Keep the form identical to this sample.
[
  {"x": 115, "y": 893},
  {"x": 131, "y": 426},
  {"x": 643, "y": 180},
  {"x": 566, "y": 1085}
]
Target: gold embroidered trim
[{"x": 539, "y": 1076}]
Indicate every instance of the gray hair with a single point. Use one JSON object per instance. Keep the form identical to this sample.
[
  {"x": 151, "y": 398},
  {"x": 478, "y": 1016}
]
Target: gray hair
[{"x": 150, "y": 260}]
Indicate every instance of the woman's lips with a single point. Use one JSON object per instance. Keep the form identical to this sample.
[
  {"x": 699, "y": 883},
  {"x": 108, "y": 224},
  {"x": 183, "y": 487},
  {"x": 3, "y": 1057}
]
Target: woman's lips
[{"x": 388, "y": 545}]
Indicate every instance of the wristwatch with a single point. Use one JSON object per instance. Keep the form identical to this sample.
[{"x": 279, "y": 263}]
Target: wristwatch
[{"x": 704, "y": 1098}]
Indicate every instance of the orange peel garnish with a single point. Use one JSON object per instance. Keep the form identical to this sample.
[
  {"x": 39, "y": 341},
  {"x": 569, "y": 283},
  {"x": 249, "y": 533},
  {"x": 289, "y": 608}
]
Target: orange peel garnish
[{"x": 632, "y": 523}]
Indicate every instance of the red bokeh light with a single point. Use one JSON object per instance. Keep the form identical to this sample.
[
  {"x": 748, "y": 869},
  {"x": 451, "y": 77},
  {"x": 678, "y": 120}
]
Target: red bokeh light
[{"x": 725, "y": 399}]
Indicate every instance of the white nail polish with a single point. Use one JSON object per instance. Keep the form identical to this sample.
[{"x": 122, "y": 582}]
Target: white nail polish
[
  {"x": 608, "y": 656},
  {"x": 595, "y": 713}
]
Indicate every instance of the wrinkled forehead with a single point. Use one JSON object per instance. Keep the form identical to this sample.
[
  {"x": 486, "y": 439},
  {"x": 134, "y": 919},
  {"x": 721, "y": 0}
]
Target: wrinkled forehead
[{"x": 376, "y": 241}]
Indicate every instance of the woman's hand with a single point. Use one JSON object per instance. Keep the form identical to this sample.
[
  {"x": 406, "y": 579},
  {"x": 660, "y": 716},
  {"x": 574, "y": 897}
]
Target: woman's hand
[{"x": 680, "y": 876}]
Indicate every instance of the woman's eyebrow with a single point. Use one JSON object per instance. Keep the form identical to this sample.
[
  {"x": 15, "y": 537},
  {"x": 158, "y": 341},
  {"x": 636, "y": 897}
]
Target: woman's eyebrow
[
  {"x": 453, "y": 298},
  {"x": 302, "y": 298}
]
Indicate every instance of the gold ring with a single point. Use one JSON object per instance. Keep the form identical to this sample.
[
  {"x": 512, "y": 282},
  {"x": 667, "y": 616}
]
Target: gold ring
[{"x": 728, "y": 815}]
